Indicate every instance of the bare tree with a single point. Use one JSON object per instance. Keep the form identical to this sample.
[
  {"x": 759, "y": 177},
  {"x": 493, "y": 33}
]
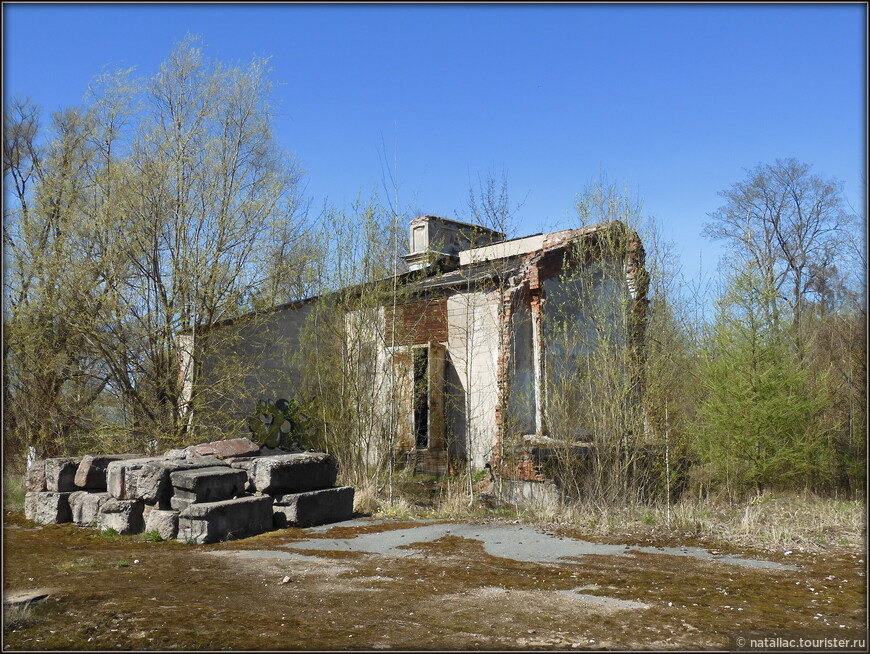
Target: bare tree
[
  {"x": 790, "y": 223},
  {"x": 158, "y": 208}
]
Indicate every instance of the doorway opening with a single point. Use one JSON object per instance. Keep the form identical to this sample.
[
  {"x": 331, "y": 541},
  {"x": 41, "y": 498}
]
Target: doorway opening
[{"x": 421, "y": 397}]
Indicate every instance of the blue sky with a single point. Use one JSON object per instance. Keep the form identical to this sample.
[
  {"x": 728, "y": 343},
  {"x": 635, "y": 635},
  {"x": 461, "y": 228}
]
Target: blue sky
[{"x": 671, "y": 101}]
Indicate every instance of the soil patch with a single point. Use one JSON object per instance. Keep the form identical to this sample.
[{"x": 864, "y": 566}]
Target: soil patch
[{"x": 294, "y": 589}]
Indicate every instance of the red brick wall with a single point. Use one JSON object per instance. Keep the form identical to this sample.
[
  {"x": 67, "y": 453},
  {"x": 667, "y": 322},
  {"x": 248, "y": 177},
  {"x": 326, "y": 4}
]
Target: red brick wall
[{"x": 418, "y": 322}]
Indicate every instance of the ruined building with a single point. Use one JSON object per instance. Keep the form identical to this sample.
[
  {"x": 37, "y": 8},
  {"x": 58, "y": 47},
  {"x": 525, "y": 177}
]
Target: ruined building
[{"x": 467, "y": 353}]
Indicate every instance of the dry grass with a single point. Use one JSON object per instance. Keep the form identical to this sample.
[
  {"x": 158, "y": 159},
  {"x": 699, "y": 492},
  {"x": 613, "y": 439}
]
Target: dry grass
[
  {"x": 769, "y": 522},
  {"x": 772, "y": 521}
]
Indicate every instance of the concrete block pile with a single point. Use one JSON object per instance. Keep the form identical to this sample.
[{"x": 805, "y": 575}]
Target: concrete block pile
[{"x": 201, "y": 494}]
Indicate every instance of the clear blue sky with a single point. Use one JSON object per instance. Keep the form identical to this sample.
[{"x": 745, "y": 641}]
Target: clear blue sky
[{"x": 670, "y": 101}]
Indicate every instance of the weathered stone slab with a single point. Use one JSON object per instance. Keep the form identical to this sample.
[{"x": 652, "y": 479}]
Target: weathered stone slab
[
  {"x": 124, "y": 516},
  {"x": 226, "y": 449},
  {"x": 208, "y": 484},
  {"x": 216, "y": 521},
  {"x": 164, "y": 523},
  {"x": 91, "y": 473},
  {"x": 34, "y": 478},
  {"x": 122, "y": 477},
  {"x": 313, "y": 508},
  {"x": 178, "y": 504},
  {"x": 154, "y": 484},
  {"x": 293, "y": 473},
  {"x": 60, "y": 473},
  {"x": 47, "y": 507},
  {"x": 85, "y": 506},
  {"x": 246, "y": 463}
]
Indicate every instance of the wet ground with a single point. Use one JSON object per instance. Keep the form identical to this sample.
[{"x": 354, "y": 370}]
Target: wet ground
[{"x": 370, "y": 584}]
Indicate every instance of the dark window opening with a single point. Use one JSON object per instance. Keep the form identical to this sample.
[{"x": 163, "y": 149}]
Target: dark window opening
[{"x": 421, "y": 397}]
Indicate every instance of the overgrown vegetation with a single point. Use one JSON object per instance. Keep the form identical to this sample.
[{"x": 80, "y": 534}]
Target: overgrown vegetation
[{"x": 163, "y": 208}]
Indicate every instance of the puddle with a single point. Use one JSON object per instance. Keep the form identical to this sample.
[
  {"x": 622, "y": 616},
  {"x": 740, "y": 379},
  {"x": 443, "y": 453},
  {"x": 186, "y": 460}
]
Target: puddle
[{"x": 520, "y": 543}]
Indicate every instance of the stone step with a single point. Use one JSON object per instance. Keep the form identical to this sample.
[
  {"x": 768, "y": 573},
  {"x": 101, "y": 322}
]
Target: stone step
[
  {"x": 216, "y": 521},
  {"x": 313, "y": 508},
  {"x": 91, "y": 473},
  {"x": 47, "y": 507},
  {"x": 211, "y": 484},
  {"x": 293, "y": 473},
  {"x": 85, "y": 506}
]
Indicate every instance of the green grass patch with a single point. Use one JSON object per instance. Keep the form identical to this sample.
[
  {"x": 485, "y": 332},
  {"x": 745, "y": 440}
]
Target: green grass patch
[{"x": 13, "y": 492}]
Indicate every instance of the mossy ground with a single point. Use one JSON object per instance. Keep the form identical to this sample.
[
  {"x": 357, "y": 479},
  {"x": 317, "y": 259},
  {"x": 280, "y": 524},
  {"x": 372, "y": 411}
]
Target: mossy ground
[{"x": 454, "y": 596}]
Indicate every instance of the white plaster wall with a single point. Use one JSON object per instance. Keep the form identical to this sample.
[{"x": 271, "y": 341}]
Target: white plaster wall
[{"x": 473, "y": 348}]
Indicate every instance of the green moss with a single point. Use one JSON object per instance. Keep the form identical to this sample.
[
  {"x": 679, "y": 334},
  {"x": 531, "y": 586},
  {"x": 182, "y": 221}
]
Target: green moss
[{"x": 182, "y": 597}]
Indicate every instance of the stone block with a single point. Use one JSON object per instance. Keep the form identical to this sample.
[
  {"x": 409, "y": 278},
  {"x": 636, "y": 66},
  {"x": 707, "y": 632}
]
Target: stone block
[
  {"x": 124, "y": 516},
  {"x": 177, "y": 503},
  {"x": 313, "y": 508},
  {"x": 293, "y": 473},
  {"x": 226, "y": 449},
  {"x": 154, "y": 484},
  {"x": 60, "y": 474},
  {"x": 34, "y": 478},
  {"x": 208, "y": 484},
  {"x": 91, "y": 473},
  {"x": 122, "y": 477},
  {"x": 246, "y": 463},
  {"x": 85, "y": 506},
  {"x": 164, "y": 523},
  {"x": 215, "y": 521},
  {"x": 47, "y": 507}
]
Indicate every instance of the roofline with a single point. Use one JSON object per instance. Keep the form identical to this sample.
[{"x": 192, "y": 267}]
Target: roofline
[{"x": 571, "y": 234}]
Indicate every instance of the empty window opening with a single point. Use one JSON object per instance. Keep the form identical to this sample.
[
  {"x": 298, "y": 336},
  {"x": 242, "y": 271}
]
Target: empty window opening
[{"x": 421, "y": 397}]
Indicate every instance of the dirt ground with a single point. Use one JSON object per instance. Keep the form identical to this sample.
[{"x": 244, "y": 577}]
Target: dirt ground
[{"x": 278, "y": 592}]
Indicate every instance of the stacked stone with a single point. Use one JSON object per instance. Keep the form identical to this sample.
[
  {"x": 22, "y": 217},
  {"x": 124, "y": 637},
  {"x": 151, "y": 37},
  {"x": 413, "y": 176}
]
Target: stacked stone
[
  {"x": 202, "y": 494},
  {"x": 302, "y": 488}
]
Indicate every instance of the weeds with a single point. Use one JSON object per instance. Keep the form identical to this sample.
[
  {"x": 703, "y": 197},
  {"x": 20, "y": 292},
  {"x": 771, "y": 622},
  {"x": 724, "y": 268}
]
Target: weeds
[
  {"x": 109, "y": 532},
  {"x": 13, "y": 492},
  {"x": 153, "y": 536},
  {"x": 16, "y": 616}
]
